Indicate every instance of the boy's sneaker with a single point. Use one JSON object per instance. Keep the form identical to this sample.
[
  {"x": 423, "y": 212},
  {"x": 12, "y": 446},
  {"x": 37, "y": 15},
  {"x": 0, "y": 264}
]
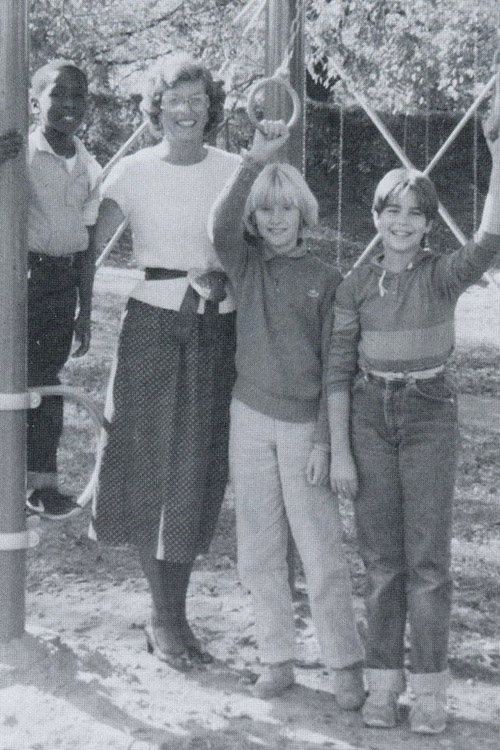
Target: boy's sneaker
[
  {"x": 349, "y": 688},
  {"x": 381, "y": 709},
  {"x": 428, "y": 714},
  {"x": 51, "y": 503},
  {"x": 274, "y": 680}
]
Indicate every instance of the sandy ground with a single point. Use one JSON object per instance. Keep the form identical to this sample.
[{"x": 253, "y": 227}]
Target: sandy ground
[{"x": 81, "y": 677}]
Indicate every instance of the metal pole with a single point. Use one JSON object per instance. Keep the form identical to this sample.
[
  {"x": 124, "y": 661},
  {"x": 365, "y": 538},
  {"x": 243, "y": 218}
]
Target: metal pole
[
  {"x": 279, "y": 16},
  {"x": 13, "y": 262}
]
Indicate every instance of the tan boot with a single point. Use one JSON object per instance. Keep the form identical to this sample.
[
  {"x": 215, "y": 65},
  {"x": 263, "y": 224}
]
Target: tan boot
[
  {"x": 349, "y": 687},
  {"x": 274, "y": 680},
  {"x": 384, "y": 688},
  {"x": 428, "y": 714}
]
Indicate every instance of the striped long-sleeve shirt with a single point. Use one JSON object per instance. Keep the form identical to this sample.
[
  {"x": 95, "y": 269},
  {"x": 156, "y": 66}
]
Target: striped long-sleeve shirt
[{"x": 402, "y": 322}]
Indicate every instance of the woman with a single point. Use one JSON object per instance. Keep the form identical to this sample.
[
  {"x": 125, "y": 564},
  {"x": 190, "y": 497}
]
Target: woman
[{"x": 163, "y": 465}]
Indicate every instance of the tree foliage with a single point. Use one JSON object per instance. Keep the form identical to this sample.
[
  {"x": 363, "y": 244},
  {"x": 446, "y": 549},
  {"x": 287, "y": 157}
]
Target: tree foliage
[
  {"x": 405, "y": 55},
  {"x": 115, "y": 40}
]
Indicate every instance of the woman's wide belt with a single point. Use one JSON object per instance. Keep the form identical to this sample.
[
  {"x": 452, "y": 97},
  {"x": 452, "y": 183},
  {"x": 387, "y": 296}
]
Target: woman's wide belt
[{"x": 208, "y": 285}]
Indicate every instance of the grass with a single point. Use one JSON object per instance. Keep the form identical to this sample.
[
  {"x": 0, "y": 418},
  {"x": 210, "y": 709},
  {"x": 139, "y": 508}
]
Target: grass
[{"x": 475, "y": 635}]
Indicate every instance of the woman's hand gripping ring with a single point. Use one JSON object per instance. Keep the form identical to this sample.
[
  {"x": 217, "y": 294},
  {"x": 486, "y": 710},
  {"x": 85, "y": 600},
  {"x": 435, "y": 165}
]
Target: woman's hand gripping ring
[{"x": 283, "y": 81}]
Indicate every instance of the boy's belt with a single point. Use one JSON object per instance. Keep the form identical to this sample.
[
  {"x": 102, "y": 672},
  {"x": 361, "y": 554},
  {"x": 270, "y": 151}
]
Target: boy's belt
[
  {"x": 62, "y": 262},
  {"x": 404, "y": 377},
  {"x": 155, "y": 274},
  {"x": 213, "y": 285}
]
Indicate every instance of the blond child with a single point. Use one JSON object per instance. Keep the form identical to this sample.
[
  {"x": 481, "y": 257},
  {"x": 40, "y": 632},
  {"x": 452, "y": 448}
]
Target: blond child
[{"x": 279, "y": 451}]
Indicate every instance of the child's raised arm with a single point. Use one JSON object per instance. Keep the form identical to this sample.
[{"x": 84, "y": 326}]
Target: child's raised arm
[
  {"x": 11, "y": 143},
  {"x": 490, "y": 221},
  {"x": 226, "y": 220}
]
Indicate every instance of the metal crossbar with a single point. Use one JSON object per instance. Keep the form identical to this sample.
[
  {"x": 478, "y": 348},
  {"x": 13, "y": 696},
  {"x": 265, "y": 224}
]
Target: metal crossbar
[{"x": 403, "y": 157}]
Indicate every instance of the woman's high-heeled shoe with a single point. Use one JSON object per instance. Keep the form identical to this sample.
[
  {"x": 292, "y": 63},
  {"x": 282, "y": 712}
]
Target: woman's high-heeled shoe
[
  {"x": 193, "y": 647},
  {"x": 174, "y": 658}
]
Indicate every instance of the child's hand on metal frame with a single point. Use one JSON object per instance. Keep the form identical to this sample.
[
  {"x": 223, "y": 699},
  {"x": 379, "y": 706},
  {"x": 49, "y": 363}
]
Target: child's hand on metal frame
[
  {"x": 11, "y": 143},
  {"x": 269, "y": 138}
]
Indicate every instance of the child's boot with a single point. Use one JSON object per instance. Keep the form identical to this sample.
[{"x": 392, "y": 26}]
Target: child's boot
[
  {"x": 428, "y": 714},
  {"x": 275, "y": 679},
  {"x": 349, "y": 687},
  {"x": 384, "y": 688}
]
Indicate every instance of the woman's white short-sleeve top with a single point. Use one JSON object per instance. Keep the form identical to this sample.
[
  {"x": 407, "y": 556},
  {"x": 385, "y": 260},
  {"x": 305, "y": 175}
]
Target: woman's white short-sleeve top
[{"x": 168, "y": 206}]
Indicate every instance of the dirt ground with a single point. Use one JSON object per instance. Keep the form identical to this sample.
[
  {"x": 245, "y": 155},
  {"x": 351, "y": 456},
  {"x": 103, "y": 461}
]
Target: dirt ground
[{"x": 81, "y": 678}]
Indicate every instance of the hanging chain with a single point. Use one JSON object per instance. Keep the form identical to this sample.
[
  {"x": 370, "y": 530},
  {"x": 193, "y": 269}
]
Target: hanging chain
[
  {"x": 340, "y": 186},
  {"x": 475, "y": 154},
  {"x": 284, "y": 68}
]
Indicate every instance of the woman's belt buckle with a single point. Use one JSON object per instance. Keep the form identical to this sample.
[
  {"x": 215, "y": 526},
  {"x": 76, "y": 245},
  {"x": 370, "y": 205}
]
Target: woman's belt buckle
[{"x": 210, "y": 285}]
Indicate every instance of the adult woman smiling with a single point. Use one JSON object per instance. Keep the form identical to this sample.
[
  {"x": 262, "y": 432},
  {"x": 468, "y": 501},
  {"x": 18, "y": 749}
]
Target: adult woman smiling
[{"x": 164, "y": 451}]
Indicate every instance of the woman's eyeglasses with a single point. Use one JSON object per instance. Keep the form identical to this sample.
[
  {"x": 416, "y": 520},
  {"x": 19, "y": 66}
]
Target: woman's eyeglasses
[{"x": 172, "y": 101}]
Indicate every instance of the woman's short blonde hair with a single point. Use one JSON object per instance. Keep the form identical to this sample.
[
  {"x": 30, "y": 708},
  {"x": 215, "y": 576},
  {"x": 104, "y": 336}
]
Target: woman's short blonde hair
[
  {"x": 280, "y": 183},
  {"x": 175, "y": 69}
]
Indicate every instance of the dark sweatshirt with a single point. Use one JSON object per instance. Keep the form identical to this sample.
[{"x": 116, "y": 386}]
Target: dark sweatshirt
[{"x": 284, "y": 316}]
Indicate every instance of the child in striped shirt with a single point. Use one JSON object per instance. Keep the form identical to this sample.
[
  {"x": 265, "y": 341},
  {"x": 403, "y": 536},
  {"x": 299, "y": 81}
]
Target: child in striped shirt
[{"x": 394, "y": 434}]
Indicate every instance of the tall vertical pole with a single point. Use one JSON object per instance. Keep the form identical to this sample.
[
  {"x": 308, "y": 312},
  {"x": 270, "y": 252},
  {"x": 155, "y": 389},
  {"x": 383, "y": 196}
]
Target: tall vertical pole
[
  {"x": 279, "y": 18},
  {"x": 280, "y": 14},
  {"x": 13, "y": 114}
]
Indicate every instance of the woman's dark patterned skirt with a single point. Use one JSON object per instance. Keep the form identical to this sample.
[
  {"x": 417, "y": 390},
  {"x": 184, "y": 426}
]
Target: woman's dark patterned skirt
[{"x": 164, "y": 447}]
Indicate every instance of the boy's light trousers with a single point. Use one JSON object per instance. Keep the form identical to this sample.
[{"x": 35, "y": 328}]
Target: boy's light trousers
[{"x": 267, "y": 463}]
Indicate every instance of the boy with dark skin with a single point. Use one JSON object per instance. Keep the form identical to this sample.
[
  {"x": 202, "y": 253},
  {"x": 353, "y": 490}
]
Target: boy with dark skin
[{"x": 62, "y": 210}]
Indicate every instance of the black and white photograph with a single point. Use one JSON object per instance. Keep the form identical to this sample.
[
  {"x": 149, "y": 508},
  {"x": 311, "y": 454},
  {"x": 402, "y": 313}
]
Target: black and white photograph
[{"x": 249, "y": 374}]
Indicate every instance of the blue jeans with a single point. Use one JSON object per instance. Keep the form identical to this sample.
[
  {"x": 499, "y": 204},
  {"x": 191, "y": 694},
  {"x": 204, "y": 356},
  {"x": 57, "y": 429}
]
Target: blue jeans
[
  {"x": 268, "y": 471},
  {"x": 405, "y": 442}
]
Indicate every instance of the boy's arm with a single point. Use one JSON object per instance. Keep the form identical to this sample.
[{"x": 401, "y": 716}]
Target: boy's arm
[
  {"x": 85, "y": 284},
  {"x": 343, "y": 475},
  {"x": 466, "y": 265},
  {"x": 11, "y": 143},
  {"x": 341, "y": 368},
  {"x": 321, "y": 436},
  {"x": 490, "y": 220},
  {"x": 227, "y": 218}
]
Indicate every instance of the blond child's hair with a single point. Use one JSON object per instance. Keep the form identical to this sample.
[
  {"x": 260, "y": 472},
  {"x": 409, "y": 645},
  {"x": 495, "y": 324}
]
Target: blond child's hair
[{"x": 280, "y": 183}]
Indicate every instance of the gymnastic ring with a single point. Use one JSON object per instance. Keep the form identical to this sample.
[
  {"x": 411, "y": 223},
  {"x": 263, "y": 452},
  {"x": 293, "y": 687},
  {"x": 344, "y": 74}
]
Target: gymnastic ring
[
  {"x": 282, "y": 81},
  {"x": 74, "y": 394}
]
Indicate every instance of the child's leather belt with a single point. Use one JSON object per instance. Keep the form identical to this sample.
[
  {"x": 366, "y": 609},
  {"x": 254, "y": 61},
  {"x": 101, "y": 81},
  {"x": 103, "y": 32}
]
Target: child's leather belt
[{"x": 405, "y": 377}]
